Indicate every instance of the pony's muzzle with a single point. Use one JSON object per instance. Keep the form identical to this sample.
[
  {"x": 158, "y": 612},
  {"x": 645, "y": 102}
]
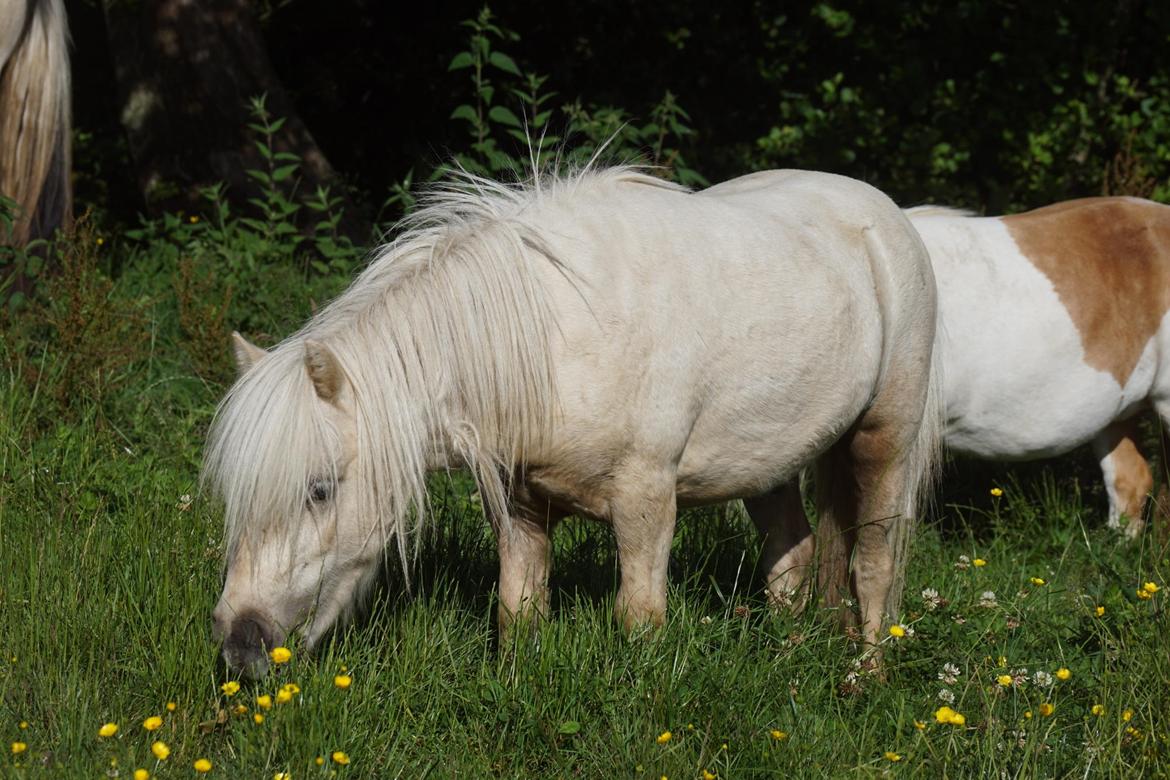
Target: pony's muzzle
[{"x": 247, "y": 637}]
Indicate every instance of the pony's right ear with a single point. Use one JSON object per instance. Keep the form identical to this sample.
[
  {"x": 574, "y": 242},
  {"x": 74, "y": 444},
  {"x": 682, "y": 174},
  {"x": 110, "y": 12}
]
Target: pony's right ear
[{"x": 247, "y": 353}]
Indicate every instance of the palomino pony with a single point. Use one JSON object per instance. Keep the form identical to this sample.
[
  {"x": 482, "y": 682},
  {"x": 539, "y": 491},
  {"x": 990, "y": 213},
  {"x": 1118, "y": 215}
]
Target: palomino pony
[
  {"x": 34, "y": 116},
  {"x": 1054, "y": 333},
  {"x": 606, "y": 344}
]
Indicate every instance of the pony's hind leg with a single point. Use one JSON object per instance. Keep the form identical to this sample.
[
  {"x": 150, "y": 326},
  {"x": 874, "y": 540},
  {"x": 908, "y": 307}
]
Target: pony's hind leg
[
  {"x": 787, "y": 544},
  {"x": 863, "y": 494},
  {"x": 525, "y": 549},
  {"x": 1128, "y": 480},
  {"x": 643, "y": 517}
]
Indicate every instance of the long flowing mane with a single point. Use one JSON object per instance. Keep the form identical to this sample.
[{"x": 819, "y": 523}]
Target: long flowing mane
[{"x": 446, "y": 330}]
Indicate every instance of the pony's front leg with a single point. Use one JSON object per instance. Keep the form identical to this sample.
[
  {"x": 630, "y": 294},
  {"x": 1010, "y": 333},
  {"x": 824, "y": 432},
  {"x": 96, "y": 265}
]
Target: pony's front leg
[
  {"x": 525, "y": 559},
  {"x": 1127, "y": 475},
  {"x": 643, "y": 520},
  {"x": 787, "y": 544}
]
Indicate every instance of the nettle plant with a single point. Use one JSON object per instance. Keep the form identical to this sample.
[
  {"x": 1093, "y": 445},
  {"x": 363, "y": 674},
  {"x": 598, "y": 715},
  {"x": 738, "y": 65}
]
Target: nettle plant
[
  {"x": 277, "y": 230},
  {"x": 512, "y": 120}
]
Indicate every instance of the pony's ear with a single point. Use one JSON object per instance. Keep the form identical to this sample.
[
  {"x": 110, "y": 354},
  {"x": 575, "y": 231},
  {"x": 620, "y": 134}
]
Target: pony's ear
[
  {"x": 247, "y": 353},
  {"x": 324, "y": 370}
]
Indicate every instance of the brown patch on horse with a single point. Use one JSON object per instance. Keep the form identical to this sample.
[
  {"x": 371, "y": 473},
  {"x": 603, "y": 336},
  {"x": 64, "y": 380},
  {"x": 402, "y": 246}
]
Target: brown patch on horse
[{"x": 1109, "y": 260}]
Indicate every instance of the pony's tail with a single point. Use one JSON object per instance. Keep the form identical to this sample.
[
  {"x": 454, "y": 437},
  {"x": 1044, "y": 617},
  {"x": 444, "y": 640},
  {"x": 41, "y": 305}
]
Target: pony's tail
[
  {"x": 924, "y": 467},
  {"x": 35, "y": 124}
]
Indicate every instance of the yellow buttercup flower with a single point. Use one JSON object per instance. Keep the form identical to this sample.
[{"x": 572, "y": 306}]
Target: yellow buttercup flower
[
  {"x": 282, "y": 776},
  {"x": 141, "y": 774},
  {"x": 23, "y": 724},
  {"x": 171, "y": 706},
  {"x": 240, "y": 709},
  {"x": 1063, "y": 674},
  {"x": 202, "y": 765},
  {"x": 663, "y": 738},
  {"x": 708, "y": 775},
  {"x": 978, "y": 562},
  {"x": 193, "y": 219},
  {"x": 892, "y": 756},
  {"x": 108, "y": 730},
  {"x": 1027, "y": 714},
  {"x": 230, "y": 688},
  {"x": 18, "y": 748},
  {"x": 919, "y": 725},
  {"x": 342, "y": 681},
  {"x": 997, "y": 492},
  {"x": 1004, "y": 679},
  {"x": 779, "y": 735},
  {"x": 160, "y": 750},
  {"x": 1150, "y": 588},
  {"x": 947, "y": 715},
  {"x": 280, "y": 655},
  {"x": 257, "y": 718},
  {"x": 264, "y": 701},
  {"x": 319, "y": 760},
  {"x": 1127, "y": 715},
  {"x": 153, "y": 723},
  {"x": 1037, "y": 581},
  {"x": 286, "y": 692},
  {"x": 897, "y": 631},
  {"x": 1097, "y": 709},
  {"x": 340, "y": 758},
  {"x": 1100, "y": 611},
  {"x": 1047, "y": 709},
  {"x": 1144, "y": 594}
]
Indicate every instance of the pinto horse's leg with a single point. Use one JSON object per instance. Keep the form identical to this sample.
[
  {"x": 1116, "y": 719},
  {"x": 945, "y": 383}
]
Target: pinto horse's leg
[
  {"x": 1127, "y": 475},
  {"x": 525, "y": 559},
  {"x": 787, "y": 544},
  {"x": 643, "y": 518}
]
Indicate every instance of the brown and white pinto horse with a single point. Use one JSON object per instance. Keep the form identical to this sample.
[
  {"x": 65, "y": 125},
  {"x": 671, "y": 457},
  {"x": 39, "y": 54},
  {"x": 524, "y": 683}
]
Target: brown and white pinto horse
[
  {"x": 1054, "y": 333},
  {"x": 34, "y": 117}
]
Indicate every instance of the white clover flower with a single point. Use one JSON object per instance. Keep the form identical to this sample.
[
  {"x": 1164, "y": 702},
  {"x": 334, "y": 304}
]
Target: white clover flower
[
  {"x": 987, "y": 599},
  {"x": 931, "y": 597},
  {"x": 946, "y": 697},
  {"x": 949, "y": 674},
  {"x": 1042, "y": 679}
]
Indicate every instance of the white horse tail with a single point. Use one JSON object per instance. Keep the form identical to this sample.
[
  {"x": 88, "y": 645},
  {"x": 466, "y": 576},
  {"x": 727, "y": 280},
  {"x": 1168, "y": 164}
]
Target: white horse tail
[
  {"x": 925, "y": 465},
  {"x": 35, "y": 117}
]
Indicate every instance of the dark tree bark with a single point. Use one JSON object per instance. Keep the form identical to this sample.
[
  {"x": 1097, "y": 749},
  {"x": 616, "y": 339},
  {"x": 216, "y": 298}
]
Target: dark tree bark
[{"x": 186, "y": 71}]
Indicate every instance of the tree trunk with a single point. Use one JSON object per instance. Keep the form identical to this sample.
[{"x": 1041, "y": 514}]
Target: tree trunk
[{"x": 186, "y": 72}]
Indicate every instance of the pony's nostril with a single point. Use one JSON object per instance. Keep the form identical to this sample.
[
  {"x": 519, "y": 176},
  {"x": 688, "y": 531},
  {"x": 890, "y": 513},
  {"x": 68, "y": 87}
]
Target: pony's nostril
[{"x": 246, "y": 644}]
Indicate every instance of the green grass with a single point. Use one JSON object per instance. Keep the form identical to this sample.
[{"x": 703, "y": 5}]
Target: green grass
[{"x": 107, "y": 582}]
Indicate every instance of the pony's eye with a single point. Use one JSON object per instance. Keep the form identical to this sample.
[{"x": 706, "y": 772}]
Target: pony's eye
[{"x": 320, "y": 491}]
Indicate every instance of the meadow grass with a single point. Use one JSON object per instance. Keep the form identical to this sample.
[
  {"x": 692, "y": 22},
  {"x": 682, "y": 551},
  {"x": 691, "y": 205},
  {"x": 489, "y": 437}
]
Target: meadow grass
[{"x": 109, "y": 572}]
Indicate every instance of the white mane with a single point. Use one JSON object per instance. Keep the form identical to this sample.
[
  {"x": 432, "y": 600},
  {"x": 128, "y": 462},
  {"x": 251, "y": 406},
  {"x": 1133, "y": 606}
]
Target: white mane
[{"x": 447, "y": 330}]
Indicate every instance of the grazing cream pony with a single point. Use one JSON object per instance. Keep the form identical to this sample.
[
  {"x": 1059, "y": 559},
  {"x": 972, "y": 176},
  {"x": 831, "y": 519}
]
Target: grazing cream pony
[
  {"x": 606, "y": 344},
  {"x": 34, "y": 116},
  {"x": 1053, "y": 333}
]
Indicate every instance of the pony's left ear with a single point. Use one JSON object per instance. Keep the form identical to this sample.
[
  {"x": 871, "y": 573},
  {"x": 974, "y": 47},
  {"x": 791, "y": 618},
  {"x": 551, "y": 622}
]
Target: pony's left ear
[
  {"x": 324, "y": 370},
  {"x": 247, "y": 354}
]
